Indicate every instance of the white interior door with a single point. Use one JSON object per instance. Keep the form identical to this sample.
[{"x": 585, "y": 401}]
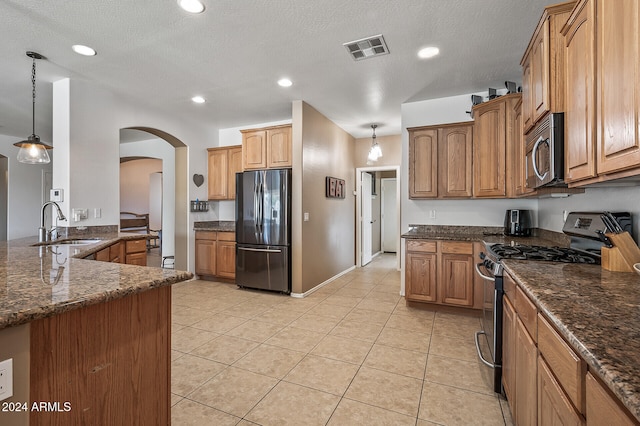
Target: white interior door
[
  {"x": 389, "y": 216},
  {"x": 366, "y": 218}
]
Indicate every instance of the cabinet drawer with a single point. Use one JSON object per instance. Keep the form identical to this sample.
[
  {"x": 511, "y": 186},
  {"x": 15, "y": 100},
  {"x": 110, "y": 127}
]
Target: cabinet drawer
[
  {"x": 206, "y": 235},
  {"x": 527, "y": 312},
  {"x": 423, "y": 246},
  {"x": 136, "y": 246},
  {"x": 566, "y": 365},
  {"x": 456, "y": 247},
  {"x": 226, "y": 236}
]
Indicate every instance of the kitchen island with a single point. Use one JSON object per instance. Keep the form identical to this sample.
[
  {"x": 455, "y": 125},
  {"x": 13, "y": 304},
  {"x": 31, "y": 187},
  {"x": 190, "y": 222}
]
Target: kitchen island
[
  {"x": 597, "y": 312},
  {"x": 89, "y": 340}
]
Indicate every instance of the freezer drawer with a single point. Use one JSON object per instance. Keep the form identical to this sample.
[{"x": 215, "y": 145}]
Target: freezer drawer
[{"x": 263, "y": 267}]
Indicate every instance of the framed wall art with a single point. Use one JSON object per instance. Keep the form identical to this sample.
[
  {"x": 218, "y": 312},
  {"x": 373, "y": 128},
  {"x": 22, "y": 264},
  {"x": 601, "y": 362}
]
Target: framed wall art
[{"x": 335, "y": 188}]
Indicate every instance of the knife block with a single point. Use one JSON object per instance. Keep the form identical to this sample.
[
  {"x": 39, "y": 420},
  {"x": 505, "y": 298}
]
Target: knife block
[{"x": 622, "y": 255}]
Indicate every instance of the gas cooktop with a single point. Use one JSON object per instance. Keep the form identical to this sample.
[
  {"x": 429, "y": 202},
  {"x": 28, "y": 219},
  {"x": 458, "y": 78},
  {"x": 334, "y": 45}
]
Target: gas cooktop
[{"x": 552, "y": 254}]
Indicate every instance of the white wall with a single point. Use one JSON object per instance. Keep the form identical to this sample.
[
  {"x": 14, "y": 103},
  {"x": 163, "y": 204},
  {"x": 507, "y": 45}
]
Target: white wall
[
  {"x": 87, "y": 121},
  {"x": 134, "y": 184},
  {"x": 24, "y": 191},
  {"x": 612, "y": 199}
]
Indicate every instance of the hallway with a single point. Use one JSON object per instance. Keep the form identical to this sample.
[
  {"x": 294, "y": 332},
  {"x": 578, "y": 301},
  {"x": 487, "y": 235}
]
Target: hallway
[{"x": 350, "y": 353}]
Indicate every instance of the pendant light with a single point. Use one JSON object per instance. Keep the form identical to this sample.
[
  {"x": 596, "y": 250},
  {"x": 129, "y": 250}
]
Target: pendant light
[
  {"x": 375, "y": 152},
  {"x": 32, "y": 150}
]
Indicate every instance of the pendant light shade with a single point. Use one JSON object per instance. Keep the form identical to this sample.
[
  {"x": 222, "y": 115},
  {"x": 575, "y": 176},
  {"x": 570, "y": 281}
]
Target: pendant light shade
[
  {"x": 33, "y": 150},
  {"x": 375, "y": 152}
]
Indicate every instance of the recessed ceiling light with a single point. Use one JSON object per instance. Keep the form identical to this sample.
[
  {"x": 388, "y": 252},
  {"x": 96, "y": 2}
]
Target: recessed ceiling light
[
  {"x": 285, "y": 82},
  {"x": 191, "y": 6},
  {"x": 83, "y": 50},
  {"x": 198, "y": 99},
  {"x": 428, "y": 52}
]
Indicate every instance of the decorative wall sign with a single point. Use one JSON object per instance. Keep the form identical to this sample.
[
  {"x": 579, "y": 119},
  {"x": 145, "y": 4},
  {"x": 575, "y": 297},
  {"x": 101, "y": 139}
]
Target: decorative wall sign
[
  {"x": 198, "y": 179},
  {"x": 335, "y": 188}
]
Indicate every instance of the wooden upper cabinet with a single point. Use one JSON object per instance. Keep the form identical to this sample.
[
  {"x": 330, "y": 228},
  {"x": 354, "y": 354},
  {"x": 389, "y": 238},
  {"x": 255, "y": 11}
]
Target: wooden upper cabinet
[
  {"x": 223, "y": 164},
  {"x": 516, "y": 157},
  {"x": 268, "y": 148},
  {"x": 489, "y": 146},
  {"x": 527, "y": 113},
  {"x": 455, "y": 146},
  {"x": 279, "y": 147},
  {"x": 218, "y": 173},
  {"x": 543, "y": 66},
  {"x": 254, "y": 149},
  {"x": 540, "y": 72},
  {"x": 580, "y": 101},
  {"x": 423, "y": 163},
  {"x": 440, "y": 161},
  {"x": 618, "y": 85},
  {"x": 492, "y": 131}
]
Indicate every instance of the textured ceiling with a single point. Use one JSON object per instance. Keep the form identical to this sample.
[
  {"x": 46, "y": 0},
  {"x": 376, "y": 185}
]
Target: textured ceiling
[{"x": 159, "y": 56}]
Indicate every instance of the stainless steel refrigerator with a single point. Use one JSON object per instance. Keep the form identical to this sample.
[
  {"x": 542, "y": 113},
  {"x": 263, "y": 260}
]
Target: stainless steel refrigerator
[{"x": 263, "y": 229}]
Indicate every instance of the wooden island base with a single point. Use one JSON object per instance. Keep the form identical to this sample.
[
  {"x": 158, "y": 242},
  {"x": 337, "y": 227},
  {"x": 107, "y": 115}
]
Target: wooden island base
[{"x": 109, "y": 362}]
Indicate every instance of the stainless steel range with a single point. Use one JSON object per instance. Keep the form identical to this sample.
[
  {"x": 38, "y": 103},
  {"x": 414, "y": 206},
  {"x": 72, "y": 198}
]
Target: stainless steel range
[{"x": 587, "y": 231}]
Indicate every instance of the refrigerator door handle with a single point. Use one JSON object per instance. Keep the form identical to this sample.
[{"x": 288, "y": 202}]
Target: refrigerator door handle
[{"x": 260, "y": 250}]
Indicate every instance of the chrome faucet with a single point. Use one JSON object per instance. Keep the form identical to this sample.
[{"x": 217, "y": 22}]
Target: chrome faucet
[{"x": 43, "y": 235}]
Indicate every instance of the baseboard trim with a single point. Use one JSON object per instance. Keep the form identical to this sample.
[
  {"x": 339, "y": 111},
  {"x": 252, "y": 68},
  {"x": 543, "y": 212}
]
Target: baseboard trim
[{"x": 319, "y": 286}]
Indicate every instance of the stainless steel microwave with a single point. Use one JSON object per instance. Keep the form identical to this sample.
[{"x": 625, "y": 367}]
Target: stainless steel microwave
[{"x": 545, "y": 152}]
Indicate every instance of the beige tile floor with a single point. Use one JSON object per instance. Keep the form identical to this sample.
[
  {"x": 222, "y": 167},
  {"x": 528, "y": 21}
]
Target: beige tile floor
[{"x": 351, "y": 353}]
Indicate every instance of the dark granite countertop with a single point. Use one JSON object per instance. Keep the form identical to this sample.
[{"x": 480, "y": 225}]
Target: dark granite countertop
[
  {"x": 41, "y": 281},
  {"x": 597, "y": 312},
  {"x": 488, "y": 234},
  {"x": 215, "y": 225}
]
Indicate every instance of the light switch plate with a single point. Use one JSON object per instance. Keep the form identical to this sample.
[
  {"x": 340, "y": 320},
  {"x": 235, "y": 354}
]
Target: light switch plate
[{"x": 6, "y": 379}]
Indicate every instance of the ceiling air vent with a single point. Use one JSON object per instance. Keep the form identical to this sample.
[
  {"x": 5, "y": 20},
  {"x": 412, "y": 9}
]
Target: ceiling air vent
[{"x": 367, "y": 47}]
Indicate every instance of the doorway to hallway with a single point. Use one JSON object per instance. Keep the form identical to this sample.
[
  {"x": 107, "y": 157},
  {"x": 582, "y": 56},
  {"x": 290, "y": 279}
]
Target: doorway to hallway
[{"x": 377, "y": 213}]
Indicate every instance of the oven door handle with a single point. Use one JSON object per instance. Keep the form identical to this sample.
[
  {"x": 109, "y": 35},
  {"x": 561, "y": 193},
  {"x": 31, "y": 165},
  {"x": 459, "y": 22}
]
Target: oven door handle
[
  {"x": 484, "y": 361},
  {"x": 486, "y": 277},
  {"x": 534, "y": 155}
]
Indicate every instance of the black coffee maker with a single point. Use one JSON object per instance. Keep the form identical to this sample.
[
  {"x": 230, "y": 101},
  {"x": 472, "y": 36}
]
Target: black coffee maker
[{"x": 517, "y": 223}]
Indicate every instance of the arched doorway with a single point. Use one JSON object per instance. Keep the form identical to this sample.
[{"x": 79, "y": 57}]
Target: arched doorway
[{"x": 180, "y": 203}]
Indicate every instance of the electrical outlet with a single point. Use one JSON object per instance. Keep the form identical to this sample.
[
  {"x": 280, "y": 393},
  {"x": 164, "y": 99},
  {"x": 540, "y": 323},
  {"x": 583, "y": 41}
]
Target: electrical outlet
[
  {"x": 79, "y": 214},
  {"x": 432, "y": 214},
  {"x": 97, "y": 213},
  {"x": 6, "y": 379}
]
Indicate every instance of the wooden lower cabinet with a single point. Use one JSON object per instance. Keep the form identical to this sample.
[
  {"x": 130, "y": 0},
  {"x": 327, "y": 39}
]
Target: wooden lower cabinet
[
  {"x": 509, "y": 353},
  {"x": 136, "y": 252},
  {"x": 420, "y": 278},
  {"x": 131, "y": 252},
  {"x": 526, "y": 393},
  {"x": 545, "y": 381},
  {"x": 439, "y": 272},
  {"x": 602, "y": 407},
  {"x": 554, "y": 407},
  {"x": 110, "y": 361},
  {"x": 216, "y": 254},
  {"x": 457, "y": 273}
]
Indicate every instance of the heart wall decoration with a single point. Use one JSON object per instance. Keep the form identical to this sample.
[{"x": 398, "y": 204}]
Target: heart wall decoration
[{"x": 198, "y": 180}]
